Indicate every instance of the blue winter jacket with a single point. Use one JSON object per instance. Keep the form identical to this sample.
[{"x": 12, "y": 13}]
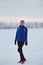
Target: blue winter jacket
[{"x": 21, "y": 34}]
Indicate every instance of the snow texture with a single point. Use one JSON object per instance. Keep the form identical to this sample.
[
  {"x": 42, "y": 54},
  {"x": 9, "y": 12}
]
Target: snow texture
[{"x": 33, "y": 52}]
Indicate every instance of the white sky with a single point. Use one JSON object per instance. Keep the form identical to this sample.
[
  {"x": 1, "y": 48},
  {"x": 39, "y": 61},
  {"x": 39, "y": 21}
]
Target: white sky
[{"x": 13, "y": 10}]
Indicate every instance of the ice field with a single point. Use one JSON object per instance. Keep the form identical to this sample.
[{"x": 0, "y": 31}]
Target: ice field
[{"x": 33, "y": 52}]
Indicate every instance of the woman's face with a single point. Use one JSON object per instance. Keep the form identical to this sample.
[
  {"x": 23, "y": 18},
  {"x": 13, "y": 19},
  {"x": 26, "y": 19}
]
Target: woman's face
[{"x": 22, "y": 23}]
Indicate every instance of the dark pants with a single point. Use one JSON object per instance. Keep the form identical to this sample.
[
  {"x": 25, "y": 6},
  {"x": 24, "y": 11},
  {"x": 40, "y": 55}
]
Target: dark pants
[{"x": 20, "y": 45}]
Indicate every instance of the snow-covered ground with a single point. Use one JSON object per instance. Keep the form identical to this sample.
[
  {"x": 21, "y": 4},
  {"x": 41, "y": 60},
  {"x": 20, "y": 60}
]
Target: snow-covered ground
[{"x": 33, "y": 52}]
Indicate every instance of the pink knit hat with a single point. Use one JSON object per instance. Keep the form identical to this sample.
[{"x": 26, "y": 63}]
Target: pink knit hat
[{"x": 22, "y": 21}]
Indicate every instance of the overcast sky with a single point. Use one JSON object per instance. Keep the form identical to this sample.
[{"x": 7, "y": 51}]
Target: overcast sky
[{"x": 21, "y": 8}]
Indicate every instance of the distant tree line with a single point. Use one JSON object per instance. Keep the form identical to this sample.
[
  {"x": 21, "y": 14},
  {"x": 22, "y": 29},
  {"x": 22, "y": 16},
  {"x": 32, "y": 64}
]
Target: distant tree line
[{"x": 11, "y": 25}]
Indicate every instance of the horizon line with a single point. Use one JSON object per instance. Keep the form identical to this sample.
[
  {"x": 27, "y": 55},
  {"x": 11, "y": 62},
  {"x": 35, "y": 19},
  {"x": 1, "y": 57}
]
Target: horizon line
[{"x": 17, "y": 19}]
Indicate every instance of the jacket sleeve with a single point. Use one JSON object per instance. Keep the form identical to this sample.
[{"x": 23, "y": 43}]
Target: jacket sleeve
[
  {"x": 16, "y": 34},
  {"x": 26, "y": 34}
]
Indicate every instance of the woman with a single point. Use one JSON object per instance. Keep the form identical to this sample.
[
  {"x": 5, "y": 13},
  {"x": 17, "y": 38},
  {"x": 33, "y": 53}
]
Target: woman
[{"x": 21, "y": 38}]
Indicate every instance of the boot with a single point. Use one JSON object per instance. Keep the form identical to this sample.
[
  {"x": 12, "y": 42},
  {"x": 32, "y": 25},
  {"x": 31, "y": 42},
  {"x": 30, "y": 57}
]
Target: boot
[{"x": 23, "y": 61}]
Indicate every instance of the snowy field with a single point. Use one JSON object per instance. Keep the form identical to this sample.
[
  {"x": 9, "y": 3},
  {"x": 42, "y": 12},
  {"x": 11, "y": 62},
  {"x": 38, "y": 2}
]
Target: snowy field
[{"x": 33, "y": 52}]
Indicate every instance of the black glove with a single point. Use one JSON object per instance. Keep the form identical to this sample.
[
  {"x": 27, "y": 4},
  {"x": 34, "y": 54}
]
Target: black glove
[
  {"x": 26, "y": 43},
  {"x": 15, "y": 42}
]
